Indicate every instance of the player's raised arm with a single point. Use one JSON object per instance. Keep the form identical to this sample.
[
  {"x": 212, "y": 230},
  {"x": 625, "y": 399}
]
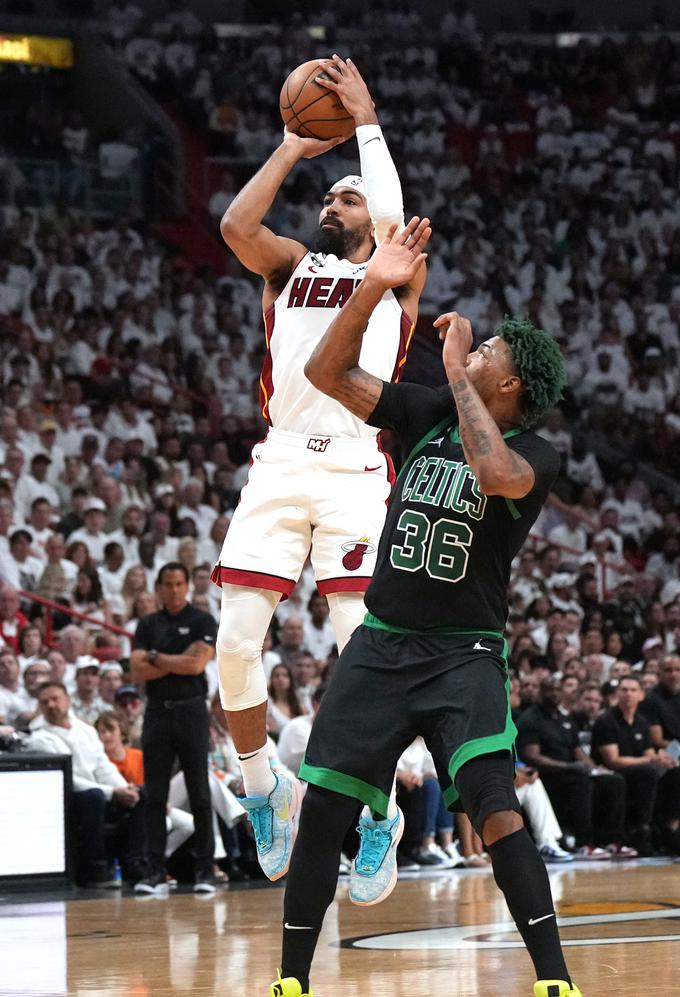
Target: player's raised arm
[
  {"x": 334, "y": 365},
  {"x": 492, "y": 371},
  {"x": 381, "y": 180},
  {"x": 256, "y": 246}
]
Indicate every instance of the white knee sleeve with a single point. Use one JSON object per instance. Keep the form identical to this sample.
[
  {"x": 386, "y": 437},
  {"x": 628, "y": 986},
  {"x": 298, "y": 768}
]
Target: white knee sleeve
[
  {"x": 347, "y": 612},
  {"x": 246, "y": 613}
]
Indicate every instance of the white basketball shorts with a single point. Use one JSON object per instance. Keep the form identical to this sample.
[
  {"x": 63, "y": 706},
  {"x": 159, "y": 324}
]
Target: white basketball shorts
[{"x": 318, "y": 494}]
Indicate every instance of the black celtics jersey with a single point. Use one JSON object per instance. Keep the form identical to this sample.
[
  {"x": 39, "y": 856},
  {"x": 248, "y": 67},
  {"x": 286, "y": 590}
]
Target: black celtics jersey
[{"x": 446, "y": 549}]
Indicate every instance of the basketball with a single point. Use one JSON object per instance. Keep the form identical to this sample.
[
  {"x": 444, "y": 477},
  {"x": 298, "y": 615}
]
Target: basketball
[{"x": 308, "y": 109}]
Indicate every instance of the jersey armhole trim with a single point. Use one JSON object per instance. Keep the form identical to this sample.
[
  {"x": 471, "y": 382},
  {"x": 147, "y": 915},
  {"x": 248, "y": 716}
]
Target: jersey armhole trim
[
  {"x": 512, "y": 509},
  {"x": 423, "y": 443}
]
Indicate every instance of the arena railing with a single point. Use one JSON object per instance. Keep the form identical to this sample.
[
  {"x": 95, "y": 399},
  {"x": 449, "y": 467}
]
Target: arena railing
[{"x": 52, "y": 607}]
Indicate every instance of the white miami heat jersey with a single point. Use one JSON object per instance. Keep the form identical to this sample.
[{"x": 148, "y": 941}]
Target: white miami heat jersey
[{"x": 295, "y": 323}]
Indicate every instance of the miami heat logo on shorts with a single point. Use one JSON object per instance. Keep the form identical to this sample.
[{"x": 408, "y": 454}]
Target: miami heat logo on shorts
[
  {"x": 354, "y": 557},
  {"x": 318, "y": 444}
]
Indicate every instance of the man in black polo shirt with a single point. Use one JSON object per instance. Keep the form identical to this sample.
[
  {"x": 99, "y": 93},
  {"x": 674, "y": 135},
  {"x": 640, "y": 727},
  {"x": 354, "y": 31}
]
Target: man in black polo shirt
[
  {"x": 172, "y": 648},
  {"x": 622, "y": 741},
  {"x": 662, "y": 705},
  {"x": 591, "y": 806}
]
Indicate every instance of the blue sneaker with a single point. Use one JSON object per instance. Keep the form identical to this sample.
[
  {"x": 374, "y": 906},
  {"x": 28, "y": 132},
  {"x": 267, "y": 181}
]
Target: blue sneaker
[
  {"x": 275, "y": 819},
  {"x": 373, "y": 875}
]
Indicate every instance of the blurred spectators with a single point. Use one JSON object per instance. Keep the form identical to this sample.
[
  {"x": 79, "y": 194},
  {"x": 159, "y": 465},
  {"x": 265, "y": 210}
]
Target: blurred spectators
[{"x": 127, "y": 377}]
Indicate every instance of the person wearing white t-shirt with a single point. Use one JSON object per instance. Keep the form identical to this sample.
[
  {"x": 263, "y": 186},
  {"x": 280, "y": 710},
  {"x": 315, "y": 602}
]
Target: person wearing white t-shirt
[
  {"x": 222, "y": 198},
  {"x": 570, "y": 534},
  {"x": 159, "y": 533},
  {"x": 35, "y": 485},
  {"x": 39, "y": 525},
  {"x": 292, "y": 743},
  {"x": 19, "y": 567},
  {"x": 92, "y": 534},
  {"x": 99, "y": 790},
  {"x": 14, "y": 699},
  {"x": 554, "y": 432},
  {"x": 113, "y": 570},
  {"x": 131, "y": 529},
  {"x": 319, "y": 636},
  {"x": 193, "y": 508},
  {"x": 116, "y": 157},
  {"x": 644, "y": 400}
]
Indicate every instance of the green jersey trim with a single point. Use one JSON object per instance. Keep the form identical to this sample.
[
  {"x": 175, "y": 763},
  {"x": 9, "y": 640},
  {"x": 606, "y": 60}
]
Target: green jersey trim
[
  {"x": 347, "y": 785},
  {"x": 423, "y": 443},
  {"x": 512, "y": 509},
  {"x": 503, "y": 741},
  {"x": 372, "y": 621}
]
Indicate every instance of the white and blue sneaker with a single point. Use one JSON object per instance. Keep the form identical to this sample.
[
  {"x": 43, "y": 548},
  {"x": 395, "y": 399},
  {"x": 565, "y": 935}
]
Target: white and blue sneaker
[
  {"x": 553, "y": 853},
  {"x": 373, "y": 875},
  {"x": 275, "y": 821}
]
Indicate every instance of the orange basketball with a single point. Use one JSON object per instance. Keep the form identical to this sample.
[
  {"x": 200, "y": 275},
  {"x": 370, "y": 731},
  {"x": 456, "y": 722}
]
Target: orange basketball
[{"x": 308, "y": 109}]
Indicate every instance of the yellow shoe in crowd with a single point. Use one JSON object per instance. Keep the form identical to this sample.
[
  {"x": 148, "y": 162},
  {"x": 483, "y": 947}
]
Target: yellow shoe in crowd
[
  {"x": 289, "y": 988},
  {"x": 556, "y": 988}
]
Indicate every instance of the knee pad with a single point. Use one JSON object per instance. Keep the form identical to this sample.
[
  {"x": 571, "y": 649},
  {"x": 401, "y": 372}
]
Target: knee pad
[
  {"x": 242, "y": 680},
  {"x": 486, "y": 785},
  {"x": 245, "y": 616},
  {"x": 347, "y": 611}
]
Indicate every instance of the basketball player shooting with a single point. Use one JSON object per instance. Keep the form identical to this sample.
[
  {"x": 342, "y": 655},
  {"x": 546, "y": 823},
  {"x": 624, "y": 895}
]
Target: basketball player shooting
[
  {"x": 430, "y": 657},
  {"x": 319, "y": 481}
]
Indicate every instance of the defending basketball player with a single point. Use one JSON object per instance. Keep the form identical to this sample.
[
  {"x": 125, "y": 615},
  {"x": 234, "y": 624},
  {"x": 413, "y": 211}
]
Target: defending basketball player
[
  {"x": 430, "y": 657},
  {"x": 319, "y": 481}
]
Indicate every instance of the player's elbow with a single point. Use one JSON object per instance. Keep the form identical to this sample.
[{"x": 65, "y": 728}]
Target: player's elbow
[
  {"x": 505, "y": 483},
  {"x": 315, "y": 375},
  {"x": 229, "y": 228},
  {"x": 234, "y": 228},
  {"x": 490, "y": 479}
]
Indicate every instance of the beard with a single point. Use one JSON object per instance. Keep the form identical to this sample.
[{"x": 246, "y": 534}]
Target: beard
[{"x": 340, "y": 241}]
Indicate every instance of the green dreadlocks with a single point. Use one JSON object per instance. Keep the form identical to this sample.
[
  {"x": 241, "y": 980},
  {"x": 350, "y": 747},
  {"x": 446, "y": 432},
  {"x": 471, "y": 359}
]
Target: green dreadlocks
[{"x": 538, "y": 362}]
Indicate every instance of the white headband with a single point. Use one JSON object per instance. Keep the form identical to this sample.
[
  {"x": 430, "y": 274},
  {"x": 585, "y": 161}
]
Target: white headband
[{"x": 353, "y": 181}]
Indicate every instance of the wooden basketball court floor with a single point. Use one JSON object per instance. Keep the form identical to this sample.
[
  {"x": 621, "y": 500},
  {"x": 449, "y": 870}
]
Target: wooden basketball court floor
[{"x": 443, "y": 933}]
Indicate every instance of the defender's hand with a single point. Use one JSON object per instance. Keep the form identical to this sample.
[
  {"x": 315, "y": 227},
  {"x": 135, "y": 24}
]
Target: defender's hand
[
  {"x": 399, "y": 257},
  {"x": 456, "y": 334},
  {"x": 347, "y": 82},
  {"x": 308, "y": 148}
]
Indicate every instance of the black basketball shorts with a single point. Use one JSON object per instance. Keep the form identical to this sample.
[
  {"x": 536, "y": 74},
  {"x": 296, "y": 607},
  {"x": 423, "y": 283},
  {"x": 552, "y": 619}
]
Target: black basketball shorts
[{"x": 387, "y": 688}]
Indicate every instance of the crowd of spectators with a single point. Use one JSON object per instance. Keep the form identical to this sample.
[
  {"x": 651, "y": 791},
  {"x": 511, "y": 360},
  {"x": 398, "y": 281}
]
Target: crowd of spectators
[
  {"x": 52, "y": 154},
  {"x": 549, "y": 174},
  {"x": 130, "y": 404}
]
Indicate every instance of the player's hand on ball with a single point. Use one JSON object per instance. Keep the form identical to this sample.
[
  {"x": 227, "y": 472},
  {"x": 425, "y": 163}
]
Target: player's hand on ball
[
  {"x": 308, "y": 148},
  {"x": 400, "y": 256},
  {"x": 456, "y": 333},
  {"x": 347, "y": 82}
]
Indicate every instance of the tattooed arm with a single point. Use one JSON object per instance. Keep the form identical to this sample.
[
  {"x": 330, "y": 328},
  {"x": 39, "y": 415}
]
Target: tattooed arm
[
  {"x": 498, "y": 469},
  {"x": 334, "y": 365}
]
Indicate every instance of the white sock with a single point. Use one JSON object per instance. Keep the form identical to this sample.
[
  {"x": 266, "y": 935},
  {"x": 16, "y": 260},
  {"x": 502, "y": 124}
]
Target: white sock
[
  {"x": 391, "y": 806},
  {"x": 258, "y": 778}
]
